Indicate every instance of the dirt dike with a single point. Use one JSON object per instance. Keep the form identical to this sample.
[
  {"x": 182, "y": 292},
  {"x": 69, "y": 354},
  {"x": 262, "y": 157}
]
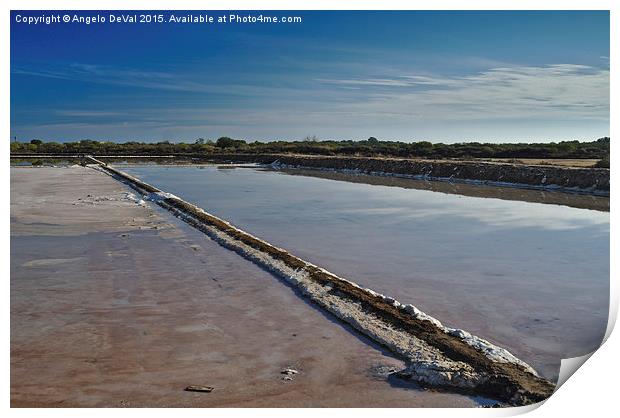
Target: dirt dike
[
  {"x": 579, "y": 180},
  {"x": 437, "y": 356}
]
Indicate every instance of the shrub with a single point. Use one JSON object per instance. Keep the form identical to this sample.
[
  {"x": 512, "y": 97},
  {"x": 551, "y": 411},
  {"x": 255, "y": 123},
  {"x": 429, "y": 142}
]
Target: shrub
[{"x": 603, "y": 163}]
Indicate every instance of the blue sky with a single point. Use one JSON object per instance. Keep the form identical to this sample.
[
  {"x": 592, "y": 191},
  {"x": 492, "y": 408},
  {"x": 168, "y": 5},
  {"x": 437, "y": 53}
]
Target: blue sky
[{"x": 438, "y": 76}]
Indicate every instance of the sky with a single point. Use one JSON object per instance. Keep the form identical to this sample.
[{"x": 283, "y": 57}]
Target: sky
[{"x": 513, "y": 76}]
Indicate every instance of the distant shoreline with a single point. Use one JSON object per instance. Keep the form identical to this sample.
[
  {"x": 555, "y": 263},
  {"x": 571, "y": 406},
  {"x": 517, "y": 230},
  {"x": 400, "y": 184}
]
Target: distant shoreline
[{"x": 596, "y": 151}]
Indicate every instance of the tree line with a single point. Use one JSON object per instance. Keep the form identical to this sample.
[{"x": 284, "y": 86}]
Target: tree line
[{"x": 371, "y": 147}]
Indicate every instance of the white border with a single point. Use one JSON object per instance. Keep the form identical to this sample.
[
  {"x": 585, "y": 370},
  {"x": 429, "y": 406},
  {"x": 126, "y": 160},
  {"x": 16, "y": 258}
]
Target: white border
[{"x": 591, "y": 391}]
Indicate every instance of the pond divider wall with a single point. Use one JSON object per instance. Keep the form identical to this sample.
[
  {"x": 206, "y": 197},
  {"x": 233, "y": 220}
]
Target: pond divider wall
[
  {"x": 435, "y": 355},
  {"x": 569, "y": 179}
]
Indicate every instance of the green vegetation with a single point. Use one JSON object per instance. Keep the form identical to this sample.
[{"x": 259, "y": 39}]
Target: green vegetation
[
  {"x": 598, "y": 149},
  {"x": 603, "y": 163}
]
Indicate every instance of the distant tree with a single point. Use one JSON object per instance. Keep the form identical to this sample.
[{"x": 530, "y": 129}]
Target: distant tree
[
  {"x": 598, "y": 149},
  {"x": 422, "y": 148},
  {"x": 226, "y": 142},
  {"x": 603, "y": 163},
  {"x": 424, "y": 145}
]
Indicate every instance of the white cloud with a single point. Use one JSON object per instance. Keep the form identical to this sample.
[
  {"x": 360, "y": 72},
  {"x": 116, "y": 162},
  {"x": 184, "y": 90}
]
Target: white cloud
[
  {"x": 505, "y": 102},
  {"x": 101, "y": 74},
  {"x": 560, "y": 91},
  {"x": 498, "y": 213},
  {"x": 86, "y": 113}
]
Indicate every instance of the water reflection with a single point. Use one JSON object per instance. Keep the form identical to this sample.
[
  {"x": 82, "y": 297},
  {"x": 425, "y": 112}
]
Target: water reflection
[
  {"x": 465, "y": 189},
  {"x": 531, "y": 277}
]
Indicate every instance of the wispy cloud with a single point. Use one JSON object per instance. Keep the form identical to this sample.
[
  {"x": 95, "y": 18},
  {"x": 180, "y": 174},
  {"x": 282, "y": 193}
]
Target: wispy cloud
[
  {"x": 116, "y": 76},
  {"x": 399, "y": 81},
  {"x": 389, "y": 82},
  {"x": 86, "y": 113},
  {"x": 174, "y": 80},
  {"x": 500, "y": 99},
  {"x": 560, "y": 90}
]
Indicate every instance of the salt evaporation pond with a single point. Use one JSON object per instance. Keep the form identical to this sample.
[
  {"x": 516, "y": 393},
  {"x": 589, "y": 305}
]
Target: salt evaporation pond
[{"x": 531, "y": 277}]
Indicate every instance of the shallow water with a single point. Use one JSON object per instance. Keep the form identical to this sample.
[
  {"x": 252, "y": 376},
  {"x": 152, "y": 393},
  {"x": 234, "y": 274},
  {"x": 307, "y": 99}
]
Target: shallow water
[{"x": 531, "y": 277}]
